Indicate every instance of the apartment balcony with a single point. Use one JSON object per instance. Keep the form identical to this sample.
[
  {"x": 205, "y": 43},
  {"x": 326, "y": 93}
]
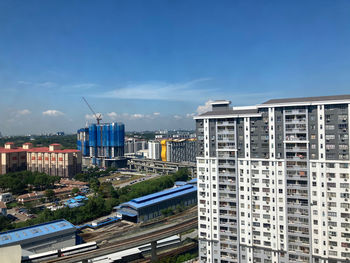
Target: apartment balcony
[
  {"x": 295, "y": 139},
  {"x": 299, "y": 157},
  {"x": 295, "y": 112},
  {"x": 297, "y": 204},
  {"x": 225, "y": 123},
  {"x": 224, "y": 155},
  {"x": 295, "y": 120},
  {"x": 227, "y": 182},
  {"x": 296, "y": 149},
  {"x": 295, "y": 130},
  {"x": 298, "y": 195},
  {"x": 225, "y": 140},
  {"x": 225, "y": 131},
  {"x": 297, "y": 167},
  {"x": 297, "y": 187}
]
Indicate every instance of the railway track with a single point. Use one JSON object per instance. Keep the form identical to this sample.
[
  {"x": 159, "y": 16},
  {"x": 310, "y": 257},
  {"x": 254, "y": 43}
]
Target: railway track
[{"x": 131, "y": 242}]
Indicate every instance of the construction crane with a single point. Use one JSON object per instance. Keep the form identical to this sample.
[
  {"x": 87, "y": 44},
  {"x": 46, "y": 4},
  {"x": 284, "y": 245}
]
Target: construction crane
[{"x": 99, "y": 117}]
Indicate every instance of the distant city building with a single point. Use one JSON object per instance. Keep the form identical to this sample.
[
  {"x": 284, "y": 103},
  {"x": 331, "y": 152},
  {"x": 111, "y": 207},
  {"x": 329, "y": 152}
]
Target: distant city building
[
  {"x": 142, "y": 153},
  {"x": 53, "y": 160},
  {"x": 133, "y": 145},
  {"x": 50, "y": 160},
  {"x": 101, "y": 142},
  {"x": 61, "y": 133},
  {"x": 12, "y": 159},
  {"x": 83, "y": 141},
  {"x": 154, "y": 150},
  {"x": 178, "y": 150}
]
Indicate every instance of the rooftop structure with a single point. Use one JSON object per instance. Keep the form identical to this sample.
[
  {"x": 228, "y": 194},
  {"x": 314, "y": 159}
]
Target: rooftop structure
[
  {"x": 39, "y": 238},
  {"x": 150, "y": 206}
]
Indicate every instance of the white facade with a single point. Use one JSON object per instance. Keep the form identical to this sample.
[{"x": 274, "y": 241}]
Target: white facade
[
  {"x": 6, "y": 197},
  {"x": 273, "y": 183},
  {"x": 154, "y": 150}
]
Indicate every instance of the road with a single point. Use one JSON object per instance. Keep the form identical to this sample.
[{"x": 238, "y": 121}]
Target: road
[{"x": 127, "y": 243}]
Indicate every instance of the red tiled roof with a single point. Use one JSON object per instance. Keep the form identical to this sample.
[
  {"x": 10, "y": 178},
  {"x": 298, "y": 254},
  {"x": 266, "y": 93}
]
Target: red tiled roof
[
  {"x": 63, "y": 190},
  {"x": 37, "y": 149},
  {"x": 55, "y": 144},
  {"x": 72, "y": 182},
  {"x": 47, "y": 150},
  {"x": 9, "y": 143},
  {"x": 16, "y": 150},
  {"x": 31, "y": 195}
]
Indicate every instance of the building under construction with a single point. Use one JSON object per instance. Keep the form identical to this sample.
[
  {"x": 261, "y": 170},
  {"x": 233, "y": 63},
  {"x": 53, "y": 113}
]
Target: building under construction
[{"x": 101, "y": 143}]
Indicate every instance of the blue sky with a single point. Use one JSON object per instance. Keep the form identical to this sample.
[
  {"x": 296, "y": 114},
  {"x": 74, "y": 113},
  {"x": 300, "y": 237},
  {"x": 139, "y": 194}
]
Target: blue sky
[{"x": 151, "y": 64}]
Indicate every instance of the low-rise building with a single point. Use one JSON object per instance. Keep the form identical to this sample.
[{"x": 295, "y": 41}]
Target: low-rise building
[
  {"x": 12, "y": 159},
  {"x": 6, "y": 197},
  {"x": 53, "y": 160},
  {"x": 63, "y": 191},
  {"x": 150, "y": 206},
  {"x": 25, "y": 198},
  {"x": 41, "y": 238}
]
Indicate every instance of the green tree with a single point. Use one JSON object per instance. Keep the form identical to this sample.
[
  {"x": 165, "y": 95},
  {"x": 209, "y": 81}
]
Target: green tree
[
  {"x": 75, "y": 190},
  {"x": 49, "y": 194}
]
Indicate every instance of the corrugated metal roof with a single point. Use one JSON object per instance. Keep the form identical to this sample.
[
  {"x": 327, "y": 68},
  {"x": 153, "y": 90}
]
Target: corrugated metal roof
[
  {"x": 153, "y": 199},
  {"x": 160, "y": 194},
  {"x": 21, "y": 234}
]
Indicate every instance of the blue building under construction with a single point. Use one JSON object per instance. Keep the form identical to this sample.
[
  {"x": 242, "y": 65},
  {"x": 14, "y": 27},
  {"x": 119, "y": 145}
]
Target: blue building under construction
[{"x": 100, "y": 142}]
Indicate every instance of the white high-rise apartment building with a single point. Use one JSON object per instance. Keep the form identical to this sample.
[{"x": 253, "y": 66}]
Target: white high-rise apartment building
[
  {"x": 154, "y": 150},
  {"x": 273, "y": 181}
]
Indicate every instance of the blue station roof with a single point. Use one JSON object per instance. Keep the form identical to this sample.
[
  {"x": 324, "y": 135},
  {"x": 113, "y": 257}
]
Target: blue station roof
[
  {"x": 22, "y": 234},
  {"x": 193, "y": 181},
  {"x": 159, "y": 197},
  {"x": 127, "y": 213}
]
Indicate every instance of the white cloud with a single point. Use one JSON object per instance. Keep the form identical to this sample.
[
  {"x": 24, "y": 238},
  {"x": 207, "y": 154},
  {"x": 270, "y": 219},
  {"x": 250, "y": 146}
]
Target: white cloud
[
  {"x": 137, "y": 116},
  {"x": 112, "y": 115},
  {"x": 177, "y": 117},
  {"x": 92, "y": 116},
  {"x": 190, "y": 115},
  {"x": 53, "y": 113},
  {"x": 156, "y": 113},
  {"x": 23, "y": 112},
  {"x": 204, "y": 108},
  {"x": 162, "y": 91},
  {"x": 46, "y": 84}
]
